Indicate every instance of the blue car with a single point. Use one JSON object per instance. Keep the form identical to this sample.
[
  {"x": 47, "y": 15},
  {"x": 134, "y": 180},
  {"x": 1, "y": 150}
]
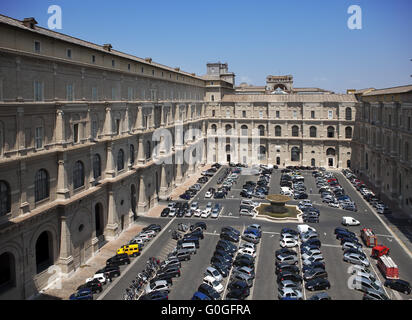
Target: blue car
[
  {"x": 256, "y": 232},
  {"x": 200, "y": 296},
  {"x": 82, "y": 294}
]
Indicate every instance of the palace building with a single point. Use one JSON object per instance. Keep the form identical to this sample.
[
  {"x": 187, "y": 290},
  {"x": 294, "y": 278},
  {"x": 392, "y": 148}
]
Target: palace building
[{"x": 78, "y": 156}]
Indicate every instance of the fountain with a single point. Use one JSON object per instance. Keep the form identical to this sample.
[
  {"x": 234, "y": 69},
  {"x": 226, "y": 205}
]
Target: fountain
[{"x": 278, "y": 209}]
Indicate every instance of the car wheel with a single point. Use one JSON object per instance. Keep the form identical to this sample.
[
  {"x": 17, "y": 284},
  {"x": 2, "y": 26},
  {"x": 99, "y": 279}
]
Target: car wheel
[{"x": 406, "y": 292}]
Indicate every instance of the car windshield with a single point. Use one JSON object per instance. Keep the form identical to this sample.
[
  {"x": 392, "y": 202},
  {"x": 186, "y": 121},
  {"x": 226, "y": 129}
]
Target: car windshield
[{"x": 215, "y": 283}]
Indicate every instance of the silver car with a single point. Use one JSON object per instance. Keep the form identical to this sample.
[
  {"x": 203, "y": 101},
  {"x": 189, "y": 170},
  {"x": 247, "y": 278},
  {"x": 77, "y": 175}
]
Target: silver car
[
  {"x": 289, "y": 284},
  {"x": 356, "y": 259},
  {"x": 242, "y": 277},
  {"x": 316, "y": 258},
  {"x": 245, "y": 270},
  {"x": 288, "y": 293},
  {"x": 250, "y": 238},
  {"x": 289, "y": 259}
]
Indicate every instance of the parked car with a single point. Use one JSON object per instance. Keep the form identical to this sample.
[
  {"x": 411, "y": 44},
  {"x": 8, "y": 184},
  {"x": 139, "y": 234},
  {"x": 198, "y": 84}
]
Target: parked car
[
  {"x": 317, "y": 284},
  {"x": 160, "y": 285},
  {"x": 315, "y": 273},
  {"x": 288, "y": 293},
  {"x": 320, "y": 296},
  {"x": 210, "y": 271},
  {"x": 94, "y": 286},
  {"x": 398, "y": 285},
  {"x": 288, "y": 243},
  {"x": 356, "y": 258},
  {"x": 216, "y": 285},
  {"x": 118, "y": 259},
  {"x": 209, "y": 291},
  {"x": 83, "y": 294}
]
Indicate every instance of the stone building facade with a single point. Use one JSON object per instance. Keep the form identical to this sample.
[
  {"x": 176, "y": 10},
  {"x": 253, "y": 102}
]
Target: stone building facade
[
  {"x": 78, "y": 158},
  {"x": 382, "y": 143}
]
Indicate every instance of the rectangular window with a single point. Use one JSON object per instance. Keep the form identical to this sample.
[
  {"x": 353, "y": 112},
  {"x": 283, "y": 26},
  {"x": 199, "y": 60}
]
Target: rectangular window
[
  {"x": 69, "y": 53},
  {"x": 260, "y": 114},
  {"x": 117, "y": 126},
  {"x": 153, "y": 72},
  {"x": 227, "y": 114},
  {"x": 113, "y": 63},
  {"x": 277, "y": 114},
  {"x": 94, "y": 129},
  {"x": 330, "y": 114},
  {"x": 142, "y": 70},
  {"x": 69, "y": 92},
  {"x": 295, "y": 114},
  {"x": 37, "y": 46},
  {"x": 114, "y": 94},
  {"x": 129, "y": 94},
  {"x": 244, "y": 114},
  {"x": 312, "y": 114},
  {"x": 128, "y": 66},
  {"x": 94, "y": 94},
  {"x": 93, "y": 58},
  {"x": 38, "y": 91},
  {"x": 76, "y": 133},
  {"x": 213, "y": 113},
  {"x": 38, "y": 138}
]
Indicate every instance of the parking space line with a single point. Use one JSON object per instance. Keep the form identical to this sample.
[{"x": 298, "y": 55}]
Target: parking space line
[
  {"x": 113, "y": 284},
  {"x": 269, "y": 232},
  {"x": 230, "y": 272},
  {"x": 331, "y": 245},
  {"x": 256, "y": 264}
]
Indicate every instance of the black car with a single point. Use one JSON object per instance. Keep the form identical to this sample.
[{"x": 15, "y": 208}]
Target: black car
[
  {"x": 288, "y": 230},
  {"x": 226, "y": 248},
  {"x": 286, "y": 267},
  {"x": 225, "y": 256},
  {"x": 229, "y": 236},
  {"x": 310, "y": 219},
  {"x": 209, "y": 291},
  {"x": 230, "y": 229},
  {"x": 341, "y": 235},
  {"x": 353, "y": 240},
  {"x": 288, "y": 275},
  {"x": 228, "y": 243},
  {"x": 155, "y": 295},
  {"x": 398, "y": 285},
  {"x": 118, "y": 259},
  {"x": 95, "y": 286},
  {"x": 313, "y": 265},
  {"x": 244, "y": 262},
  {"x": 180, "y": 213},
  {"x": 195, "y": 233},
  {"x": 222, "y": 268},
  {"x": 165, "y": 212},
  {"x": 301, "y": 195},
  {"x": 198, "y": 224},
  {"x": 238, "y": 294},
  {"x": 219, "y": 260},
  {"x": 312, "y": 242},
  {"x": 110, "y": 271},
  {"x": 154, "y": 227},
  {"x": 174, "y": 271},
  {"x": 340, "y": 229},
  {"x": 317, "y": 284}
]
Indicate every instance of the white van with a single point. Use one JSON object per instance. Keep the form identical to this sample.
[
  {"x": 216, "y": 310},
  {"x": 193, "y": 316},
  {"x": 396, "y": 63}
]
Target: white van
[
  {"x": 189, "y": 246},
  {"x": 303, "y": 228},
  {"x": 349, "y": 221},
  {"x": 286, "y": 191}
]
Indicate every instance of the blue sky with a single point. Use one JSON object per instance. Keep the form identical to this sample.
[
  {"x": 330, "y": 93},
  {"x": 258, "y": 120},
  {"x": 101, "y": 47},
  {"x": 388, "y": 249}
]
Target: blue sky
[{"x": 306, "y": 38}]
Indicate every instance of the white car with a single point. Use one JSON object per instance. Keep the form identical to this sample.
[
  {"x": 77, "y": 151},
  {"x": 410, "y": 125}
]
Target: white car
[
  {"x": 289, "y": 236},
  {"x": 160, "y": 285},
  {"x": 289, "y": 293},
  {"x": 248, "y": 251},
  {"x": 288, "y": 243},
  {"x": 172, "y": 212},
  {"x": 245, "y": 212},
  {"x": 312, "y": 253},
  {"x": 334, "y": 204},
  {"x": 143, "y": 236},
  {"x": 208, "y": 194},
  {"x": 211, "y": 281},
  {"x": 171, "y": 205},
  {"x": 198, "y": 213},
  {"x": 210, "y": 271},
  {"x": 248, "y": 245},
  {"x": 194, "y": 205},
  {"x": 311, "y": 260},
  {"x": 150, "y": 233},
  {"x": 303, "y": 228},
  {"x": 206, "y": 213},
  {"x": 349, "y": 221},
  {"x": 99, "y": 276}
]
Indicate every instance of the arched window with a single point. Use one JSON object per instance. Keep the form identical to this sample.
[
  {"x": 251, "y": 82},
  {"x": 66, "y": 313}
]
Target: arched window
[
  {"x": 244, "y": 130},
  {"x": 312, "y": 132},
  {"x": 295, "y": 154},
  {"x": 120, "y": 160},
  {"x": 5, "y": 199},
  {"x": 348, "y": 132},
  {"x": 7, "y": 271},
  {"x": 228, "y": 129},
  {"x": 78, "y": 175},
  {"x": 214, "y": 128},
  {"x": 331, "y": 132},
  {"x": 44, "y": 252},
  {"x": 261, "y": 130},
  {"x": 41, "y": 185},
  {"x": 97, "y": 168},
  {"x": 330, "y": 152},
  {"x": 278, "y": 131},
  {"x": 348, "y": 113},
  {"x": 295, "y": 131},
  {"x": 133, "y": 199},
  {"x": 313, "y": 162},
  {"x": 132, "y": 154},
  {"x": 228, "y": 148}
]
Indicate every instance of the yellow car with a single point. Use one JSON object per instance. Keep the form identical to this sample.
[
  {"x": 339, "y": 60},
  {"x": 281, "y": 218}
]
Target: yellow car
[{"x": 131, "y": 250}]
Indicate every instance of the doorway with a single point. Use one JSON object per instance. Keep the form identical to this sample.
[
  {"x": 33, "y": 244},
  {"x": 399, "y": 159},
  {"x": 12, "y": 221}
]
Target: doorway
[{"x": 330, "y": 162}]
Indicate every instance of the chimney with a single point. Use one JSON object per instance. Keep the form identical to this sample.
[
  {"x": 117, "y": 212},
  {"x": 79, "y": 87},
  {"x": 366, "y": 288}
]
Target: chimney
[
  {"x": 29, "y": 22},
  {"x": 107, "y": 47},
  {"x": 177, "y": 69},
  {"x": 148, "y": 60}
]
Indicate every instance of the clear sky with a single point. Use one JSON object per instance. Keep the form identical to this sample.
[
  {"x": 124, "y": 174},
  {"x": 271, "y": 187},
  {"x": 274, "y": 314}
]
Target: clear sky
[{"x": 309, "y": 39}]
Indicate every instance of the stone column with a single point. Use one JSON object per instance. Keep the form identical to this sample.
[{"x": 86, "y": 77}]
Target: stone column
[
  {"x": 60, "y": 132},
  {"x": 24, "y": 205},
  {"x": 91, "y": 171},
  {"x": 140, "y": 118},
  {"x": 126, "y": 120},
  {"x": 140, "y": 151},
  {"x": 21, "y": 140},
  {"x": 111, "y": 230},
  {"x": 179, "y": 176},
  {"x": 141, "y": 206},
  {"x": 108, "y": 125},
  {"x": 62, "y": 188},
  {"x": 110, "y": 170},
  {"x": 65, "y": 261},
  {"x": 162, "y": 117}
]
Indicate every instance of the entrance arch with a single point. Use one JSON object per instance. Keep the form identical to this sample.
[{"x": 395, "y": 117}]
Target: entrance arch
[
  {"x": 7, "y": 271},
  {"x": 44, "y": 251}
]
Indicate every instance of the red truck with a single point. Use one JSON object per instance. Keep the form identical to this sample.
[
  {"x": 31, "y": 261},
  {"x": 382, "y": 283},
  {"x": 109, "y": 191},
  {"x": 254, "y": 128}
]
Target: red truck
[
  {"x": 379, "y": 250},
  {"x": 369, "y": 237},
  {"x": 388, "y": 268}
]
